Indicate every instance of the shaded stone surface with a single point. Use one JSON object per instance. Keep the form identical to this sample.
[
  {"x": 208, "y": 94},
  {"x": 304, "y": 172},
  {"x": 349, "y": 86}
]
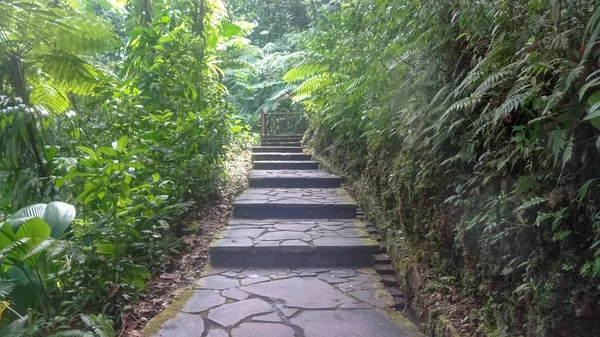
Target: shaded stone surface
[
  {"x": 262, "y": 329},
  {"x": 285, "y": 235},
  {"x": 277, "y": 149},
  {"x": 202, "y": 301},
  {"x": 293, "y": 179},
  {"x": 291, "y": 174},
  {"x": 348, "y": 323},
  {"x": 298, "y": 196},
  {"x": 304, "y": 235},
  {"x": 310, "y": 293},
  {"x": 280, "y": 156},
  {"x": 272, "y": 317},
  {"x": 235, "y": 294},
  {"x": 289, "y": 312},
  {"x": 252, "y": 280},
  {"x": 182, "y": 325},
  {"x": 342, "y": 273},
  {"x": 231, "y": 313},
  {"x": 285, "y": 165},
  {"x": 217, "y": 333},
  {"x": 376, "y": 297},
  {"x": 217, "y": 282}
]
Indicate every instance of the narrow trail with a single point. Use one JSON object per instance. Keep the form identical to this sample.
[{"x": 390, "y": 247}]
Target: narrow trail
[{"x": 294, "y": 261}]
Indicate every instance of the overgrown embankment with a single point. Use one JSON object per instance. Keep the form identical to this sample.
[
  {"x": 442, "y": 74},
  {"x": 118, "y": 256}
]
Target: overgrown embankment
[{"x": 470, "y": 132}]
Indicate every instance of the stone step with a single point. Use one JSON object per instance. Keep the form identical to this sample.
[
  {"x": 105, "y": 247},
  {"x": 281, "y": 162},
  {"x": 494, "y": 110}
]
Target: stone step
[
  {"x": 293, "y": 243},
  {"x": 294, "y": 179},
  {"x": 381, "y": 258},
  {"x": 286, "y": 165},
  {"x": 281, "y": 203},
  {"x": 293, "y": 138},
  {"x": 277, "y": 149},
  {"x": 280, "y": 156},
  {"x": 384, "y": 269},
  {"x": 278, "y": 143}
]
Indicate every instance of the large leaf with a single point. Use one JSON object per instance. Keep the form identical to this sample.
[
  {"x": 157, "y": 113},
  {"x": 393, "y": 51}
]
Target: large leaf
[
  {"x": 58, "y": 215},
  {"x": 22, "y": 215}
]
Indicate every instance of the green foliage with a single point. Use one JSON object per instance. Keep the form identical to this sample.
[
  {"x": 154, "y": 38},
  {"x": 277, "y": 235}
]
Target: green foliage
[
  {"x": 498, "y": 98},
  {"x": 122, "y": 113}
]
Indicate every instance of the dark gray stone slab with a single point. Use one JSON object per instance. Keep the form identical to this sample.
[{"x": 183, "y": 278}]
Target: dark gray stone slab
[
  {"x": 262, "y": 329},
  {"x": 277, "y": 149},
  {"x": 343, "y": 272},
  {"x": 295, "y": 246},
  {"x": 304, "y": 293},
  {"x": 235, "y": 294},
  {"x": 285, "y": 165},
  {"x": 202, "y": 301},
  {"x": 272, "y": 317},
  {"x": 309, "y": 203},
  {"x": 282, "y": 137},
  {"x": 281, "y": 143},
  {"x": 350, "y": 323},
  {"x": 242, "y": 233},
  {"x": 336, "y": 243},
  {"x": 216, "y": 282},
  {"x": 295, "y": 242},
  {"x": 257, "y": 279},
  {"x": 289, "y": 312},
  {"x": 217, "y": 333},
  {"x": 281, "y": 156},
  {"x": 230, "y": 314},
  {"x": 293, "y": 179},
  {"x": 182, "y": 325},
  {"x": 284, "y": 235}
]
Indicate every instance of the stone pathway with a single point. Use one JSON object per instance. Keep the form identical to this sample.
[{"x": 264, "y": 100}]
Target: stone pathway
[{"x": 295, "y": 261}]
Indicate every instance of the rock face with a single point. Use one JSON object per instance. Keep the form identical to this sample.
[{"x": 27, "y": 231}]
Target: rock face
[{"x": 295, "y": 262}]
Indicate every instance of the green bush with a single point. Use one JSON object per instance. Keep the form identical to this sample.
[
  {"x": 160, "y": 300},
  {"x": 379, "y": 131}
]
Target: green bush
[{"x": 471, "y": 128}]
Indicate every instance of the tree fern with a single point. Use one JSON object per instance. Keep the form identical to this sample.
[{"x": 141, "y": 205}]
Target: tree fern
[
  {"x": 303, "y": 72},
  {"x": 311, "y": 85}
]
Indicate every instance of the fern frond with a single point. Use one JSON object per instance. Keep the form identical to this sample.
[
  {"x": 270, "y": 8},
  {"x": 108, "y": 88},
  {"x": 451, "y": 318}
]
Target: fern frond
[
  {"x": 303, "y": 72},
  {"x": 313, "y": 84},
  {"x": 510, "y": 105}
]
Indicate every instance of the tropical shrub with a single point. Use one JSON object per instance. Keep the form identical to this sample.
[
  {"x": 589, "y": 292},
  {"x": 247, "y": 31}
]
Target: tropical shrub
[
  {"x": 122, "y": 113},
  {"x": 471, "y": 128}
]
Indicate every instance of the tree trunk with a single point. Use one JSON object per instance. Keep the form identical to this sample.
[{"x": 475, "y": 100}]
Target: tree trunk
[{"x": 19, "y": 83}]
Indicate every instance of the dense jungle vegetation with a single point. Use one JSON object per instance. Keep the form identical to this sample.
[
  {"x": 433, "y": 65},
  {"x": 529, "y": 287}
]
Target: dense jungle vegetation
[{"x": 470, "y": 130}]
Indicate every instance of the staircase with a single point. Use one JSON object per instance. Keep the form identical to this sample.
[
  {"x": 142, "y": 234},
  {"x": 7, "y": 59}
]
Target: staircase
[
  {"x": 294, "y": 261},
  {"x": 293, "y": 215}
]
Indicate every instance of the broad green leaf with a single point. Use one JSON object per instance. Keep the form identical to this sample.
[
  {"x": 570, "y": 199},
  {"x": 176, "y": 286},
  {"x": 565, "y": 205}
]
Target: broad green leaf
[
  {"x": 89, "y": 151},
  {"x": 229, "y": 29},
  {"x": 58, "y": 215},
  {"x": 107, "y": 151},
  {"x": 122, "y": 143},
  {"x": 35, "y": 229}
]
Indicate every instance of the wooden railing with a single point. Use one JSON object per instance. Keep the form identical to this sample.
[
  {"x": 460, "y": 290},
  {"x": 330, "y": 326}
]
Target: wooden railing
[{"x": 282, "y": 123}]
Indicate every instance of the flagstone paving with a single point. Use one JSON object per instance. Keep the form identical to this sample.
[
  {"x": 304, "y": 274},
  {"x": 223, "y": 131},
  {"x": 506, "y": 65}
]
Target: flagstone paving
[
  {"x": 294, "y": 261},
  {"x": 290, "y": 302}
]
